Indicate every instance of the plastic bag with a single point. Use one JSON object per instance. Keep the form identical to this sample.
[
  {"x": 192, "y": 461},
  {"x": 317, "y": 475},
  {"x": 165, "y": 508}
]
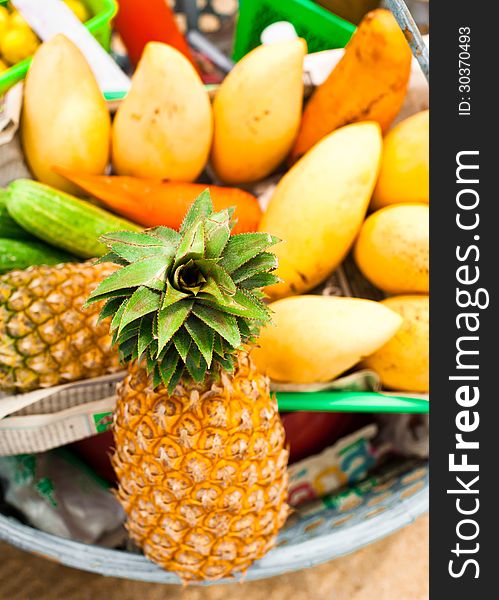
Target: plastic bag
[{"x": 57, "y": 494}]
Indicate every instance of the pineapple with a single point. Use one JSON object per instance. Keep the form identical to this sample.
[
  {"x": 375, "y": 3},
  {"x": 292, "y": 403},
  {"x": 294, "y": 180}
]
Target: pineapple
[
  {"x": 200, "y": 454},
  {"x": 46, "y": 338}
]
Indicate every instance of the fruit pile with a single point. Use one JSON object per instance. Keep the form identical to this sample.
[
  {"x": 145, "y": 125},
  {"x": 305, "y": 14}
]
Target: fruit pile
[
  {"x": 17, "y": 40},
  {"x": 184, "y": 304}
]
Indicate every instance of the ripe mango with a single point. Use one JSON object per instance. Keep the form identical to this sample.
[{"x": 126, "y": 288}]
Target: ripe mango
[
  {"x": 316, "y": 338},
  {"x": 318, "y": 207},
  {"x": 257, "y": 112},
  {"x": 65, "y": 121},
  {"x": 163, "y": 128},
  {"x": 403, "y": 362},
  {"x": 392, "y": 249},
  {"x": 368, "y": 84},
  {"x": 405, "y": 166}
]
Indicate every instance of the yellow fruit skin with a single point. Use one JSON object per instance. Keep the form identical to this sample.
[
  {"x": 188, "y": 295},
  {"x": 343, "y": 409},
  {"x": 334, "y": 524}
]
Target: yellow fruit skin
[
  {"x": 405, "y": 169},
  {"x": 163, "y": 129},
  {"x": 257, "y": 112},
  {"x": 65, "y": 121},
  {"x": 316, "y": 338},
  {"x": 319, "y": 205},
  {"x": 17, "y": 20},
  {"x": 392, "y": 249},
  {"x": 4, "y": 22},
  {"x": 18, "y": 43},
  {"x": 202, "y": 472},
  {"x": 79, "y": 9},
  {"x": 403, "y": 363}
]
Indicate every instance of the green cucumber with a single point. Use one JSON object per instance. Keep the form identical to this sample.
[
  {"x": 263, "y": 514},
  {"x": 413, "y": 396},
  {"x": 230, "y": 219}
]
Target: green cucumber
[
  {"x": 61, "y": 219},
  {"x": 20, "y": 254},
  {"x": 8, "y": 227}
]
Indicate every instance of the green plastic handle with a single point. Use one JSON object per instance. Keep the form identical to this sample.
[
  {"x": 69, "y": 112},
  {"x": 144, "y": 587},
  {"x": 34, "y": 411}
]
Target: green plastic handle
[{"x": 366, "y": 402}]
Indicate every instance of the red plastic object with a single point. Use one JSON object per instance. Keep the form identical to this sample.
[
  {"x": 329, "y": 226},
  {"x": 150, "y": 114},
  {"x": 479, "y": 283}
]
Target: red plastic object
[
  {"x": 310, "y": 432},
  {"x": 95, "y": 452},
  {"x": 152, "y": 21}
]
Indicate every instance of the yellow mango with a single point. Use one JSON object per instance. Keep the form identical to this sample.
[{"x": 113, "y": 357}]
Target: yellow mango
[
  {"x": 392, "y": 249},
  {"x": 4, "y": 22},
  {"x": 257, "y": 112},
  {"x": 65, "y": 121},
  {"x": 318, "y": 207},
  {"x": 163, "y": 128},
  {"x": 403, "y": 362},
  {"x": 316, "y": 338},
  {"x": 405, "y": 166}
]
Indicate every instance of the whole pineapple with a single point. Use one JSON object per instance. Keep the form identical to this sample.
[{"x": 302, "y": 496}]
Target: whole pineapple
[
  {"x": 46, "y": 337},
  {"x": 200, "y": 453}
]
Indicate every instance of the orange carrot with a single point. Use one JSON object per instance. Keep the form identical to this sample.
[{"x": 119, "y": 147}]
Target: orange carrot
[{"x": 150, "y": 202}]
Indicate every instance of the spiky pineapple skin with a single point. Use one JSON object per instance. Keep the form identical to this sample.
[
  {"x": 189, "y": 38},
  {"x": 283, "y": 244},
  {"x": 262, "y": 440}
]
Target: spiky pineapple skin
[
  {"x": 202, "y": 472},
  {"x": 46, "y": 336}
]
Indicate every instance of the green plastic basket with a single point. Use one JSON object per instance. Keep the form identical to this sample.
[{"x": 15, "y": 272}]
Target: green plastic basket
[
  {"x": 322, "y": 29},
  {"x": 99, "y": 26}
]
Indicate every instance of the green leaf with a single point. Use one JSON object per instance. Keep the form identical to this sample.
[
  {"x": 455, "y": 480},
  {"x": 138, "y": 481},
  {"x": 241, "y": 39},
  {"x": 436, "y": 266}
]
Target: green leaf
[
  {"x": 259, "y": 281},
  {"x": 145, "y": 335},
  {"x": 243, "y": 247},
  {"x": 150, "y": 363},
  {"x": 142, "y": 302},
  {"x": 227, "y": 363},
  {"x": 134, "y": 253},
  {"x": 156, "y": 377},
  {"x": 153, "y": 349},
  {"x": 263, "y": 262},
  {"x": 191, "y": 245},
  {"x": 201, "y": 208},
  {"x": 172, "y": 295},
  {"x": 142, "y": 245},
  {"x": 171, "y": 319},
  {"x": 115, "y": 294},
  {"x": 182, "y": 341},
  {"x": 165, "y": 234},
  {"x": 196, "y": 365},
  {"x": 149, "y": 272},
  {"x": 168, "y": 366},
  {"x": 217, "y": 233},
  {"x": 115, "y": 323},
  {"x": 126, "y": 348},
  {"x": 128, "y": 332},
  {"x": 212, "y": 270},
  {"x": 242, "y": 306},
  {"x": 222, "y": 323},
  {"x": 203, "y": 337},
  {"x": 110, "y": 308},
  {"x": 244, "y": 329},
  {"x": 218, "y": 345},
  {"x": 165, "y": 350},
  {"x": 176, "y": 377},
  {"x": 128, "y": 237},
  {"x": 113, "y": 258},
  {"x": 211, "y": 292}
]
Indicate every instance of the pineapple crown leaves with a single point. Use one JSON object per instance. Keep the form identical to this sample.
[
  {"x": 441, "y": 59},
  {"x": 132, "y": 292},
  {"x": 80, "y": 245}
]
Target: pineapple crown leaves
[{"x": 184, "y": 302}]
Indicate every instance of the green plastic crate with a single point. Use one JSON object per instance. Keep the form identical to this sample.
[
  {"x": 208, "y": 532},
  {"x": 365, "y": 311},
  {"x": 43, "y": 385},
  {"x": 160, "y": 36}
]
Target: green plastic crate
[
  {"x": 99, "y": 26},
  {"x": 322, "y": 29}
]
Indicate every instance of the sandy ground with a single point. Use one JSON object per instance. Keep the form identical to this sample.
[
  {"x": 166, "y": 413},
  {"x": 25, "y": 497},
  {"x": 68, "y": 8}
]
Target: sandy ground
[{"x": 395, "y": 568}]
